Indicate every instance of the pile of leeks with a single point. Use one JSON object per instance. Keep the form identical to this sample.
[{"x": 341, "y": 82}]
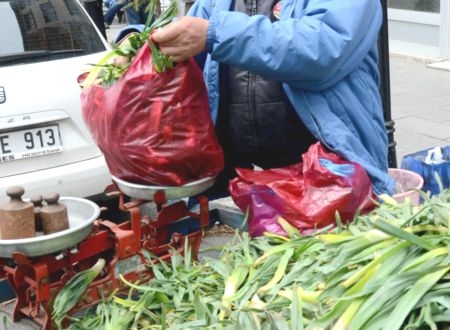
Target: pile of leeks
[{"x": 386, "y": 270}]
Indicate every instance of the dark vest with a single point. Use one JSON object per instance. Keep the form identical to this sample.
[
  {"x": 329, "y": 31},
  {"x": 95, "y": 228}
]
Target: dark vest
[{"x": 257, "y": 123}]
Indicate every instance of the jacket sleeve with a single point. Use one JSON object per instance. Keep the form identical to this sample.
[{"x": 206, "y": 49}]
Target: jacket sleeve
[
  {"x": 310, "y": 48},
  {"x": 129, "y": 29},
  {"x": 201, "y": 8}
]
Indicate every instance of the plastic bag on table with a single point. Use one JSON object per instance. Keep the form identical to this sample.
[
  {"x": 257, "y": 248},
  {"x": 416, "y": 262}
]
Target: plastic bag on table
[
  {"x": 430, "y": 163},
  {"x": 154, "y": 128},
  {"x": 307, "y": 194}
]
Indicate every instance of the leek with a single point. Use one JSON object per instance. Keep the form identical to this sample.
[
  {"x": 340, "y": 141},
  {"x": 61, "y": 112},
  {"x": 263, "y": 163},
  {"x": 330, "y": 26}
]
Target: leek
[{"x": 73, "y": 290}]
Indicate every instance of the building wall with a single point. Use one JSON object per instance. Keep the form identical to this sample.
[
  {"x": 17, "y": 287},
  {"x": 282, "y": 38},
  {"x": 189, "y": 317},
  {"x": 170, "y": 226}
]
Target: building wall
[
  {"x": 416, "y": 27},
  {"x": 419, "y": 27},
  {"x": 431, "y": 6}
]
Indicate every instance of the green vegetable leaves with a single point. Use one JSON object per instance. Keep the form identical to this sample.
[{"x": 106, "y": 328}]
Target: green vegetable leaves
[
  {"x": 70, "y": 294},
  {"x": 113, "y": 65},
  {"x": 387, "y": 270}
]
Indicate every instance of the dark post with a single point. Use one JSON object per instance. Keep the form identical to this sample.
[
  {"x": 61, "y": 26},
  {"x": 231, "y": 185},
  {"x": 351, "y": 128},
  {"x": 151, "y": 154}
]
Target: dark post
[{"x": 385, "y": 85}]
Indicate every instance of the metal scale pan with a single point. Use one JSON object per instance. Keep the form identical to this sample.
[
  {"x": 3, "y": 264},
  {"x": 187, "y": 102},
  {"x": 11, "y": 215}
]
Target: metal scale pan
[
  {"x": 146, "y": 192},
  {"x": 81, "y": 213}
]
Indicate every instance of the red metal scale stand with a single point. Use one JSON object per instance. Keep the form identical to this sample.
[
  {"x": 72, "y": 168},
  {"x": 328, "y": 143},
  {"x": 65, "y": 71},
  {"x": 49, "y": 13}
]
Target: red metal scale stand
[{"x": 36, "y": 281}]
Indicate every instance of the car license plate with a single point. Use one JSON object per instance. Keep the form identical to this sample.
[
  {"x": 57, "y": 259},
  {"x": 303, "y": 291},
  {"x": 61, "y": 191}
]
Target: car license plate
[{"x": 30, "y": 142}]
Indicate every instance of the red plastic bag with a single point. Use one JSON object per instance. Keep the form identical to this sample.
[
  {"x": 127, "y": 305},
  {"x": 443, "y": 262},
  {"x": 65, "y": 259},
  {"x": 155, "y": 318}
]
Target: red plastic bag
[
  {"x": 154, "y": 128},
  {"x": 306, "y": 194}
]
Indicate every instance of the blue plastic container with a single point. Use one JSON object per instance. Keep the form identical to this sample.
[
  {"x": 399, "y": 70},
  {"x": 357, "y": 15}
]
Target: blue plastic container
[{"x": 428, "y": 167}]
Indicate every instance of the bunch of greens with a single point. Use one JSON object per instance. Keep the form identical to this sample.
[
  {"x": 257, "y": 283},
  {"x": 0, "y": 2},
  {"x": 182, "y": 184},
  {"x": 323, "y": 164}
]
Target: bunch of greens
[
  {"x": 388, "y": 269},
  {"x": 68, "y": 297},
  {"x": 112, "y": 66}
]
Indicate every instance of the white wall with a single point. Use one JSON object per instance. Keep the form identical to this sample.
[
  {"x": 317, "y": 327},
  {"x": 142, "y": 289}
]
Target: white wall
[{"x": 420, "y": 33}]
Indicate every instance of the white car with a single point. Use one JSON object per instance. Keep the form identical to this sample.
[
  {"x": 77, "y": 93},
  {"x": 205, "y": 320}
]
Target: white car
[{"x": 44, "y": 143}]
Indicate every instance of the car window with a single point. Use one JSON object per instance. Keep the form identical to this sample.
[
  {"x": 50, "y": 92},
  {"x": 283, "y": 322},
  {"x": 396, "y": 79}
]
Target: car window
[{"x": 33, "y": 31}]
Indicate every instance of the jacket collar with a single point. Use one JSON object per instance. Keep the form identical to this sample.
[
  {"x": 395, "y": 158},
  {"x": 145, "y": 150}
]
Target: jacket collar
[{"x": 287, "y": 6}]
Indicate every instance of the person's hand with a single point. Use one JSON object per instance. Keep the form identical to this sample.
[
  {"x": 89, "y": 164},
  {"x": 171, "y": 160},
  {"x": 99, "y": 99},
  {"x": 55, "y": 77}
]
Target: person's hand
[{"x": 182, "y": 39}]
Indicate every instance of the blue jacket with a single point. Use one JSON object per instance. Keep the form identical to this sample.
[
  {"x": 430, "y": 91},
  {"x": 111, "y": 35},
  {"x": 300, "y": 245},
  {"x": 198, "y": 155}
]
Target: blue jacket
[{"x": 325, "y": 54}]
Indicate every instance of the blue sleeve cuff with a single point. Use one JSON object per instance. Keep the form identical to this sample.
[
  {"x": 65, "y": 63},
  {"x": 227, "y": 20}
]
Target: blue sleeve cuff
[{"x": 127, "y": 30}]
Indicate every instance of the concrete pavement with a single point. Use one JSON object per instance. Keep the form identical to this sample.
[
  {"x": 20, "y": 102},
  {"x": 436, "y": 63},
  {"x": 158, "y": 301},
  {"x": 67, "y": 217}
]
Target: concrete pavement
[{"x": 420, "y": 103}]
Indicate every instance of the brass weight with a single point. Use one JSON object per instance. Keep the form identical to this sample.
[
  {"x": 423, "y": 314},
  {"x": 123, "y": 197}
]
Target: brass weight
[
  {"x": 54, "y": 215},
  {"x": 16, "y": 216}
]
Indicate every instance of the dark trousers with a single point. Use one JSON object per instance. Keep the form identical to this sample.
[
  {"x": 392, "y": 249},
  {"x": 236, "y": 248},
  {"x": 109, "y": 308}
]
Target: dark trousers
[{"x": 95, "y": 11}]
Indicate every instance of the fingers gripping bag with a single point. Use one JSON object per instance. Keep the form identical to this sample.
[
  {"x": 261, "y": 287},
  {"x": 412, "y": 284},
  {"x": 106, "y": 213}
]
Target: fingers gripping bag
[
  {"x": 307, "y": 194},
  {"x": 154, "y": 127}
]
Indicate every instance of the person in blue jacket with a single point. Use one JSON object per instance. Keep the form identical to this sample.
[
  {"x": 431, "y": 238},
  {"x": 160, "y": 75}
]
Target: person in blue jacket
[{"x": 283, "y": 74}]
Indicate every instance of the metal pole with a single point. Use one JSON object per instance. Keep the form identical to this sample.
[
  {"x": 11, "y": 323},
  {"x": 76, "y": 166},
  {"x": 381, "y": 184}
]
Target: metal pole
[{"x": 385, "y": 85}]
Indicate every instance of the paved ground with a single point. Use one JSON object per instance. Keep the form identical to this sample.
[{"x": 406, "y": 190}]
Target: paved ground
[
  {"x": 420, "y": 108},
  {"x": 420, "y": 103}
]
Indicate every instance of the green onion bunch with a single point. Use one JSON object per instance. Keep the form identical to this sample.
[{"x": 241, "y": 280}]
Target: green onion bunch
[
  {"x": 71, "y": 293},
  {"x": 114, "y": 64},
  {"x": 388, "y": 269}
]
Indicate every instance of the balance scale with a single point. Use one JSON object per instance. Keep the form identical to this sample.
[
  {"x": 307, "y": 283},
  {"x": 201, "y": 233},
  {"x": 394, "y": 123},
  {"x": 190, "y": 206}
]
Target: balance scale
[{"x": 37, "y": 268}]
